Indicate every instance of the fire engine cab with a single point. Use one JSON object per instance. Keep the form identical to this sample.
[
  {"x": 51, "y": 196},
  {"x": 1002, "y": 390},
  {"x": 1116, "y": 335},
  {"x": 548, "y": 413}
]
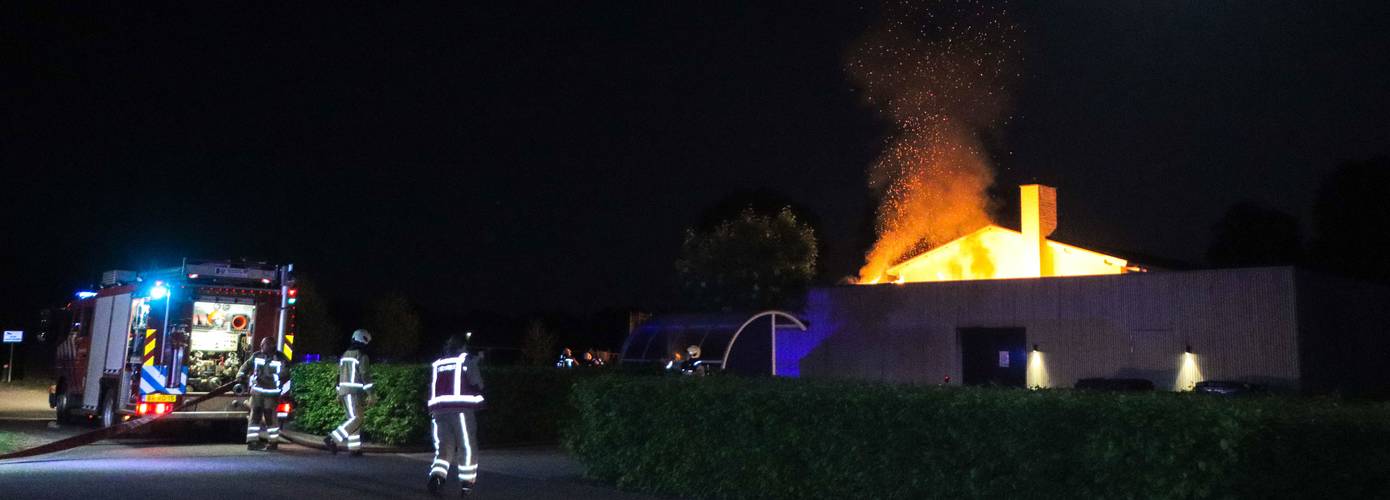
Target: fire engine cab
[{"x": 145, "y": 341}]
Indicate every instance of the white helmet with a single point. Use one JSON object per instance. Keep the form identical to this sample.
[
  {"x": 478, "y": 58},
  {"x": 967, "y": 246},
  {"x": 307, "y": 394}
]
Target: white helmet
[
  {"x": 694, "y": 351},
  {"x": 362, "y": 336}
]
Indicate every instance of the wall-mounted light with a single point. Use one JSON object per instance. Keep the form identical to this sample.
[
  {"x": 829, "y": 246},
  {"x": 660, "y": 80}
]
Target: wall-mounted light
[
  {"x": 86, "y": 294},
  {"x": 1187, "y": 349},
  {"x": 1035, "y": 348}
]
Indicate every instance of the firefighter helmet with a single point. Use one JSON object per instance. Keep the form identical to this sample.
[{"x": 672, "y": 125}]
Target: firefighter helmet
[
  {"x": 694, "y": 351},
  {"x": 362, "y": 336}
]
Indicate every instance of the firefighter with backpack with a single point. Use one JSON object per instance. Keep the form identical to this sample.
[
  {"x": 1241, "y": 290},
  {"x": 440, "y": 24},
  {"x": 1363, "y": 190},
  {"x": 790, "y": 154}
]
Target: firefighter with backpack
[{"x": 456, "y": 393}]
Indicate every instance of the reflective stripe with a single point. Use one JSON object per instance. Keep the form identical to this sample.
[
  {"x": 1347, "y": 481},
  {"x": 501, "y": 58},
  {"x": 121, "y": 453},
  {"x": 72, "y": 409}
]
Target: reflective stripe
[
  {"x": 352, "y": 371},
  {"x": 467, "y": 447},
  {"x": 434, "y": 431},
  {"x": 456, "y": 399}
]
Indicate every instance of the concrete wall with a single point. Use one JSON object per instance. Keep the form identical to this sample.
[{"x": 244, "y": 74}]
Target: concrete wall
[{"x": 1240, "y": 323}]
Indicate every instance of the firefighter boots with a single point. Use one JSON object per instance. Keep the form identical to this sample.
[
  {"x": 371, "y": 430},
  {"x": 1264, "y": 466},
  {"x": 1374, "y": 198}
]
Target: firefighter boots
[
  {"x": 255, "y": 446},
  {"x": 331, "y": 444},
  {"x": 466, "y": 489},
  {"x": 435, "y": 484},
  {"x": 272, "y": 446}
]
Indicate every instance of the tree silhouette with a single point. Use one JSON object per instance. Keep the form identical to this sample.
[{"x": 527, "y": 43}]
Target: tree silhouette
[
  {"x": 538, "y": 346},
  {"x": 1352, "y": 214},
  {"x": 316, "y": 332},
  {"x": 749, "y": 261},
  {"x": 395, "y": 326},
  {"x": 1251, "y": 235}
]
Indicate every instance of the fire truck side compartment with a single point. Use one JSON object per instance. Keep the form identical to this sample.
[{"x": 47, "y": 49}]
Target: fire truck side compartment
[{"x": 111, "y": 325}]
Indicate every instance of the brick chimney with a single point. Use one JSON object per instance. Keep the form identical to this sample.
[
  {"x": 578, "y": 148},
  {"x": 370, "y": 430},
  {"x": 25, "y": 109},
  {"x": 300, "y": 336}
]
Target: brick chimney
[{"x": 1038, "y": 218}]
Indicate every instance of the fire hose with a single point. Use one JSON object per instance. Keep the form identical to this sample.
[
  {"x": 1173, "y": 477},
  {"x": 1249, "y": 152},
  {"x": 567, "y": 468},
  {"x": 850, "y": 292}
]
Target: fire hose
[{"x": 112, "y": 431}]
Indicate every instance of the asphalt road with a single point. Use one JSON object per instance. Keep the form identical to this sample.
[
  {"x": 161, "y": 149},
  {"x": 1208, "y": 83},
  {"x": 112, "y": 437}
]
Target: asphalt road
[
  {"x": 193, "y": 463},
  {"x": 119, "y": 470}
]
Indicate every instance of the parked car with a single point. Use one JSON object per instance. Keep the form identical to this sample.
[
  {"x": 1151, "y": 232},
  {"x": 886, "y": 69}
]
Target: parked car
[{"x": 1229, "y": 388}]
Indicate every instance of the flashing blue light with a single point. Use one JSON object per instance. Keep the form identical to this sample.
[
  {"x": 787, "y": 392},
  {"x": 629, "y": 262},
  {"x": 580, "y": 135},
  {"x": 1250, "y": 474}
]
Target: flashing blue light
[
  {"x": 158, "y": 291},
  {"x": 86, "y": 294}
]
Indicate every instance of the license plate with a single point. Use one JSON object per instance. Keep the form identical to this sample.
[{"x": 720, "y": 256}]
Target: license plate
[{"x": 160, "y": 398}]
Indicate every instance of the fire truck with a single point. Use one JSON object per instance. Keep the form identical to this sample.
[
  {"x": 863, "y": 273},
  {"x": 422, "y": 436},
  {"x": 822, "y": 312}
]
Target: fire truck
[{"x": 144, "y": 342}]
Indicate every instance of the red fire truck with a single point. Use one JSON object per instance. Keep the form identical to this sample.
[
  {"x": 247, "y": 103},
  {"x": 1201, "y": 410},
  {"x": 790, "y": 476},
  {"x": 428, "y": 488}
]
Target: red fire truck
[{"x": 144, "y": 341}]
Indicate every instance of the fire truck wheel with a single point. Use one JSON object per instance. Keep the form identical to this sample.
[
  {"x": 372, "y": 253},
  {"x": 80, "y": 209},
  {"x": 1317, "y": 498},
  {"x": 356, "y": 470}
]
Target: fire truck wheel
[
  {"x": 108, "y": 409},
  {"x": 60, "y": 407}
]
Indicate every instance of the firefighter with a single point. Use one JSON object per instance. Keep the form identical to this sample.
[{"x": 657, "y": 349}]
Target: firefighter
[
  {"x": 354, "y": 385},
  {"x": 566, "y": 359},
  {"x": 456, "y": 393},
  {"x": 264, "y": 371},
  {"x": 692, "y": 364}
]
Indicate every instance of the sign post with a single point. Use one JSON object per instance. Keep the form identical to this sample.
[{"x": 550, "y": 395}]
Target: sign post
[{"x": 12, "y": 337}]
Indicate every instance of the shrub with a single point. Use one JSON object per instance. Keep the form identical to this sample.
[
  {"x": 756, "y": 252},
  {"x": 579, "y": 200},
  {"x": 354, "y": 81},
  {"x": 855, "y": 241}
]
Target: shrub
[
  {"x": 724, "y": 437},
  {"x": 525, "y": 405}
]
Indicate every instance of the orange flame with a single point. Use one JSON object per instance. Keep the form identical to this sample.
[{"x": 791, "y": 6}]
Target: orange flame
[{"x": 939, "y": 71}]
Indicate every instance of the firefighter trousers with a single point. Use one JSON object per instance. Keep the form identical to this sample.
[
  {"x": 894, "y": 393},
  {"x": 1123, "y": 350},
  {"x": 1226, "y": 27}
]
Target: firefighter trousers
[
  {"x": 455, "y": 443},
  {"x": 348, "y": 433},
  {"x": 263, "y": 424}
]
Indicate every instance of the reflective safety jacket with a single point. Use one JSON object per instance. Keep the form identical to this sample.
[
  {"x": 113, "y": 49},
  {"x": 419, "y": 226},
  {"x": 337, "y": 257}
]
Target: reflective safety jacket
[
  {"x": 457, "y": 385},
  {"x": 354, "y": 377},
  {"x": 267, "y": 373},
  {"x": 694, "y": 366}
]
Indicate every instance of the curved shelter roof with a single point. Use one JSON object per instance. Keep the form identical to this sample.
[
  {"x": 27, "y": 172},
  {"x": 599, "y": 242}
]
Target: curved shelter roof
[{"x": 661, "y": 338}]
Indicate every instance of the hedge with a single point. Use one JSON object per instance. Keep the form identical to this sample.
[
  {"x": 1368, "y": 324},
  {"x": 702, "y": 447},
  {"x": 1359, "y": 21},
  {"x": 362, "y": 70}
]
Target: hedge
[
  {"x": 525, "y": 405},
  {"x": 725, "y": 437}
]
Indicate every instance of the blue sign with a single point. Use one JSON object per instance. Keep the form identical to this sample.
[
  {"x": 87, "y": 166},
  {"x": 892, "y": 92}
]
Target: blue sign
[{"x": 14, "y": 336}]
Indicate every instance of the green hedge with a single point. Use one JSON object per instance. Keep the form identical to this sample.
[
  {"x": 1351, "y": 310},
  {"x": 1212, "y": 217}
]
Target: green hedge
[
  {"x": 525, "y": 405},
  {"x": 724, "y": 437}
]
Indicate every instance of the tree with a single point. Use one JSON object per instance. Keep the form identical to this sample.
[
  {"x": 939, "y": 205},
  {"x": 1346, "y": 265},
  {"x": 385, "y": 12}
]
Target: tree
[
  {"x": 1352, "y": 218},
  {"x": 1251, "y": 235},
  {"x": 748, "y": 261},
  {"x": 538, "y": 344},
  {"x": 395, "y": 326},
  {"x": 315, "y": 330}
]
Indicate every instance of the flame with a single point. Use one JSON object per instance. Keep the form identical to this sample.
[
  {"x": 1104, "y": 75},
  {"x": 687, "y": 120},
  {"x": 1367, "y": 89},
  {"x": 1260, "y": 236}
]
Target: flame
[
  {"x": 995, "y": 252},
  {"x": 940, "y": 72}
]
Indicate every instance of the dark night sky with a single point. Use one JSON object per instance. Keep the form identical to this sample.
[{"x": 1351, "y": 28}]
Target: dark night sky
[{"x": 535, "y": 157}]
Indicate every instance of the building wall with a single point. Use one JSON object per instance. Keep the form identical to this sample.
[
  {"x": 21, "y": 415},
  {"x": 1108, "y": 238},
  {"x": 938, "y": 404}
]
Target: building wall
[{"x": 1240, "y": 323}]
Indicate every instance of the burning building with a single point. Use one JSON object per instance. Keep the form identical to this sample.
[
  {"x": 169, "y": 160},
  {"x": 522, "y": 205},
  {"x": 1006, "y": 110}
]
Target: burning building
[
  {"x": 995, "y": 252},
  {"x": 1014, "y": 308}
]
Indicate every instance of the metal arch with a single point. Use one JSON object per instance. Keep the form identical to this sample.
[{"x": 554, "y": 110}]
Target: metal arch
[{"x": 723, "y": 364}]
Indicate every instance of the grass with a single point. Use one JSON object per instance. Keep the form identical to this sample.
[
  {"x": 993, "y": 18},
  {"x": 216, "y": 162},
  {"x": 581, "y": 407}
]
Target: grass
[{"x": 9, "y": 442}]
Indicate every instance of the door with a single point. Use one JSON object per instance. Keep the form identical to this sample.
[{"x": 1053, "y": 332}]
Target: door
[{"x": 993, "y": 356}]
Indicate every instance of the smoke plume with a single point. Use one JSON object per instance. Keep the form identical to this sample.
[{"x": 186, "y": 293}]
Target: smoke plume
[{"x": 940, "y": 71}]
